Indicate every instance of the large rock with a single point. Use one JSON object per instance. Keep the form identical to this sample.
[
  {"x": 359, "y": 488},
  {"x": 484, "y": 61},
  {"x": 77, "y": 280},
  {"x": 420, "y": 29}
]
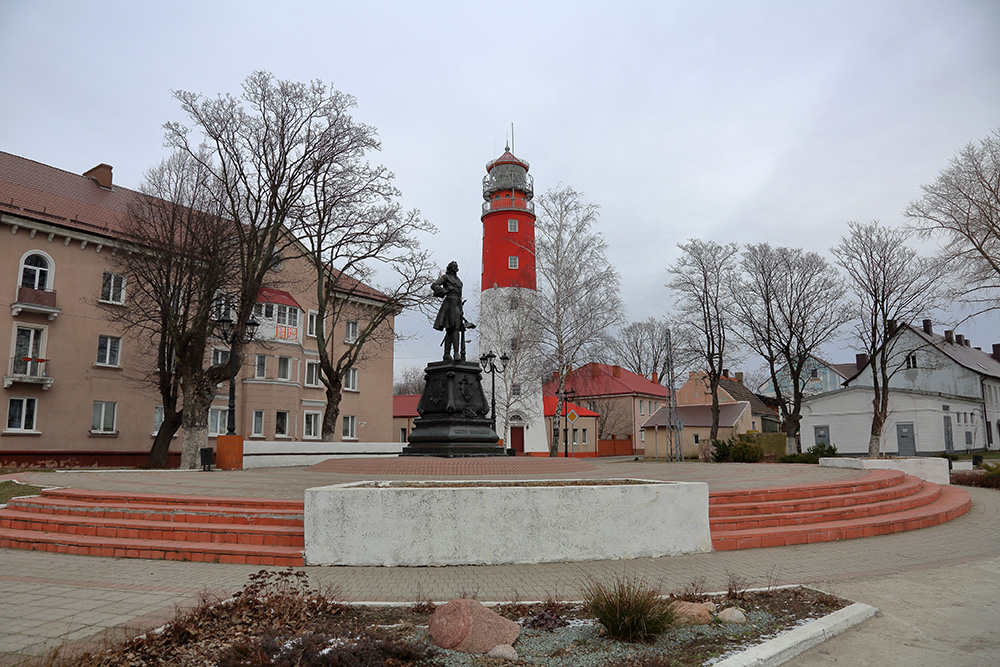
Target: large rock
[
  {"x": 732, "y": 615},
  {"x": 691, "y": 613},
  {"x": 504, "y": 651},
  {"x": 467, "y": 626}
]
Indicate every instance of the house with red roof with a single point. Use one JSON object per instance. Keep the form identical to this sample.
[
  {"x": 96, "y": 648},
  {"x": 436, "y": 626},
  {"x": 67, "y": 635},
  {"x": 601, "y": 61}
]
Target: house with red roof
[
  {"x": 404, "y": 411},
  {"x": 623, "y": 399},
  {"x": 76, "y": 383},
  {"x": 578, "y": 427}
]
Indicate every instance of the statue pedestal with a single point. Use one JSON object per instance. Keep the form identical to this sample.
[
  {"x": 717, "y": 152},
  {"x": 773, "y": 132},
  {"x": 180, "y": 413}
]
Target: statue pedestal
[{"x": 454, "y": 413}]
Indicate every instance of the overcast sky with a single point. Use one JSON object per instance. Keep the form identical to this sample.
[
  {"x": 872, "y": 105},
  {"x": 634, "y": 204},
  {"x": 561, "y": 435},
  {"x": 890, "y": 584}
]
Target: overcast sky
[{"x": 732, "y": 121}]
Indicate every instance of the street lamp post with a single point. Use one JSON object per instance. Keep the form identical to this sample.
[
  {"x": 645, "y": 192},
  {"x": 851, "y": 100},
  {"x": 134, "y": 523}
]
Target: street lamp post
[
  {"x": 488, "y": 362},
  {"x": 566, "y": 393},
  {"x": 232, "y": 335}
]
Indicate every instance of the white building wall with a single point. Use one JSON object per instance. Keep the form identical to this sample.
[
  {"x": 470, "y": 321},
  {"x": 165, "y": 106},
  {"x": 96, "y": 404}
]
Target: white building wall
[{"x": 498, "y": 325}]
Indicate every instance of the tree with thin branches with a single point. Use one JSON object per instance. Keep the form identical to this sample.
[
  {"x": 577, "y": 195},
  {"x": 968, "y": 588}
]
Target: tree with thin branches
[
  {"x": 890, "y": 285},
  {"x": 578, "y": 298}
]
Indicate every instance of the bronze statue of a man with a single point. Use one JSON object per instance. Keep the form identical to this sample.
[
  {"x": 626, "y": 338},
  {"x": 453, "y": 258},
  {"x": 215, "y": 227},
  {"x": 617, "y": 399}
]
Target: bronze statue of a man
[{"x": 450, "y": 317}]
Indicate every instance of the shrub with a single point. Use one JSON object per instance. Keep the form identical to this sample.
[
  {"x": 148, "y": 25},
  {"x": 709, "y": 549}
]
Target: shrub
[
  {"x": 720, "y": 451},
  {"x": 821, "y": 450},
  {"x": 629, "y": 609},
  {"x": 745, "y": 452},
  {"x": 975, "y": 478},
  {"x": 990, "y": 470}
]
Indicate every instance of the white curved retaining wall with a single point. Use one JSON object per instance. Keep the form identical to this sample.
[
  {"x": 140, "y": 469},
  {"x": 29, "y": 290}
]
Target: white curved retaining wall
[
  {"x": 493, "y": 522},
  {"x": 286, "y": 453},
  {"x": 931, "y": 468}
]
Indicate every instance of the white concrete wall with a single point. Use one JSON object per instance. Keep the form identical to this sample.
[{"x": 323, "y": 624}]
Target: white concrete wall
[
  {"x": 415, "y": 523},
  {"x": 285, "y": 453},
  {"x": 931, "y": 468}
]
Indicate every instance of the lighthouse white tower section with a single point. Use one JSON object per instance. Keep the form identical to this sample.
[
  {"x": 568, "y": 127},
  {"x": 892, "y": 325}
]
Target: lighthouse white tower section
[{"x": 508, "y": 292}]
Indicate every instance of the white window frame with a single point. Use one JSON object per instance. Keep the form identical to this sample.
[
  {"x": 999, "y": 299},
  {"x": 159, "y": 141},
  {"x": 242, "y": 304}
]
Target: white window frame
[
  {"x": 287, "y": 316},
  {"x": 277, "y": 421},
  {"x": 40, "y": 337},
  {"x": 257, "y": 423},
  {"x": 315, "y": 432},
  {"x": 222, "y": 305},
  {"x": 583, "y": 436},
  {"x": 288, "y": 368},
  {"x": 512, "y": 261},
  {"x": 220, "y": 355},
  {"x": 260, "y": 366},
  {"x": 157, "y": 418},
  {"x": 314, "y": 381},
  {"x": 108, "y": 290},
  {"x": 221, "y": 417},
  {"x": 351, "y": 379},
  {"x": 349, "y": 424},
  {"x": 911, "y": 361},
  {"x": 25, "y": 401},
  {"x": 100, "y": 409},
  {"x": 112, "y": 344},
  {"x": 351, "y": 331},
  {"x": 50, "y": 271},
  {"x": 312, "y": 323},
  {"x": 512, "y": 225}
]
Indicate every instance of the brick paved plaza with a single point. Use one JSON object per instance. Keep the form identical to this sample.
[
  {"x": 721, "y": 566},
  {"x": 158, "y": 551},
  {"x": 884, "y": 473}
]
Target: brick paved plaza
[{"x": 51, "y": 598}]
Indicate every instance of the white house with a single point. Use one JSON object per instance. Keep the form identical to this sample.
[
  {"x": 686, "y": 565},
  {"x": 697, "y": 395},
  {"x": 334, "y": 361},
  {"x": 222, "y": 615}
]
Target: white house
[{"x": 945, "y": 397}]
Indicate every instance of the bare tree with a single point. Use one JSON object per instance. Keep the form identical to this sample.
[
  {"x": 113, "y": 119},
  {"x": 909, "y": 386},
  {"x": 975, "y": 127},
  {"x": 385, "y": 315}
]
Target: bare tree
[
  {"x": 642, "y": 347},
  {"x": 891, "y": 285},
  {"x": 264, "y": 152},
  {"x": 411, "y": 381},
  {"x": 351, "y": 225},
  {"x": 615, "y": 417},
  {"x": 175, "y": 259},
  {"x": 962, "y": 206},
  {"x": 786, "y": 304},
  {"x": 700, "y": 281},
  {"x": 578, "y": 298}
]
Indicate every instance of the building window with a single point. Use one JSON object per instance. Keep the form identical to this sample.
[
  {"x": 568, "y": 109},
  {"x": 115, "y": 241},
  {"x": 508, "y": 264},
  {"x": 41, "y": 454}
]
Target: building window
[
  {"x": 584, "y": 437},
  {"x": 28, "y": 352},
  {"x": 350, "y": 427},
  {"x": 402, "y": 435},
  {"x": 264, "y": 311},
  {"x": 351, "y": 334},
  {"x": 512, "y": 224},
  {"x": 108, "y": 350},
  {"x": 311, "y": 426},
  {"x": 351, "y": 379},
  {"x": 257, "y": 426},
  {"x": 642, "y": 435},
  {"x": 312, "y": 374},
  {"x": 222, "y": 307},
  {"x": 911, "y": 360},
  {"x": 515, "y": 389},
  {"x": 512, "y": 262},
  {"x": 575, "y": 435},
  {"x": 281, "y": 423},
  {"x": 219, "y": 356},
  {"x": 113, "y": 288},
  {"x": 695, "y": 438},
  {"x": 642, "y": 406},
  {"x": 814, "y": 373},
  {"x": 218, "y": 420},
  {"x": 260, "y": 366},
  {"x": 104, "y": 417},
  {"x": 284, "y": 368},
  {"x": 288, "y": 316},
  {"x": 21, "y": 414},
  {"x": 35, "y": 271},
  {"x": 157, "y": 418},
  {"x": 312, "y": 322}
]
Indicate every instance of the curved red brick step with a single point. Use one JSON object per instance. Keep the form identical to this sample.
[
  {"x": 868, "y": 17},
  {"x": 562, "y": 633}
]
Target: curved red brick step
[
  {"x": 875, "y": 479},
  {"x": 264, "y": 514}
]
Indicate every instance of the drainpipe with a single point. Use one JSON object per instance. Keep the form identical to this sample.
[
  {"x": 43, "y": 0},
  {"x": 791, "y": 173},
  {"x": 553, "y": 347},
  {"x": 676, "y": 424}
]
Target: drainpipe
[{"x": 986, "y": 415}]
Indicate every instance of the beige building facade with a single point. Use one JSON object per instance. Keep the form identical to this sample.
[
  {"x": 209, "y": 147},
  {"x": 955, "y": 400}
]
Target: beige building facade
[{"x": 79, "y": 388}]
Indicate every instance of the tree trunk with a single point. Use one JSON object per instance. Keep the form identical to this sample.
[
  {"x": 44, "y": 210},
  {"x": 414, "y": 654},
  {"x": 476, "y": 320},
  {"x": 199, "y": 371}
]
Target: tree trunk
[
  {"x": 791, "y": 429},
  {"x": 160, "y": 450},
  {"x": 331, "y": 411},
  {"x": 195, "y": 435},
  {"x": 878, "y": 421}
]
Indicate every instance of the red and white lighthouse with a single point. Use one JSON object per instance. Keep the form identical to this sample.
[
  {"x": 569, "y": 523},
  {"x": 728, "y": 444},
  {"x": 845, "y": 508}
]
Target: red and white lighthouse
[{"x": 508, "y": 291}]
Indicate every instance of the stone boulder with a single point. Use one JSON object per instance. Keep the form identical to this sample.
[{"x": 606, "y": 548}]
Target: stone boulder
[
  {"x": 733, "y": 615},
  {"x": 691, "y": 613},
  {"x": 468, "y": 626},
  {"x": 503, "y": 651}
]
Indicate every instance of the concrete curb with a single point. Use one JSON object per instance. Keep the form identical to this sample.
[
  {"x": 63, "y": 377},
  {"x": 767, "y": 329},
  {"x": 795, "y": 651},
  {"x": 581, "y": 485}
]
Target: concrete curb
[{"x": 781, "y": 649}]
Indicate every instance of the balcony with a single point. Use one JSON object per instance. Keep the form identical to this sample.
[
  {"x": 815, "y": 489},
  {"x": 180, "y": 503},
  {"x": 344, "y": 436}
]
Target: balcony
[
  {"x": 32, "y": 300},
  {"x": 28, "y": 370},
  {"x": 508, "y": 204}
]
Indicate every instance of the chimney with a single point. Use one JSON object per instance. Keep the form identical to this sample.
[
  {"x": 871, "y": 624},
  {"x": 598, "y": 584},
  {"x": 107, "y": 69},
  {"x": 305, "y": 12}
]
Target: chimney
[
  {"x": 968, "y": 342},
  {"x": 928, "y": 329},
  {"x": 949, "y": 336},
  {"x": 725, "y": 372},
  {"x": 655, "y": 378},
  {"x": 616, "y": 371},
  {"x": 996, "y": 351},
  {"x": 555, "y": 376},
  {"x": 739, "y": 377},
  {"x": 861, "y": 360},
  {"x": 101, "y": 174},
  {"x": 960, "y": 339}
]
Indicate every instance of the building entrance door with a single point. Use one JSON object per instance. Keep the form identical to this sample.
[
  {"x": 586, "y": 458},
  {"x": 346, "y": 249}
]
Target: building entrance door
[
  {"x": 517, "y": 439},
  {"x": 904, "y": 440}
]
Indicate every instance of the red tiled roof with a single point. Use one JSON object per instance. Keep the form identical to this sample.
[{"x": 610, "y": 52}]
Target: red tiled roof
[
  {"x": 550, "y": 403},
  {"x": 596, "y": 379},
  {"x": 270, "y": 295},
  {"x": 405, "y": 405},
  {"x": 353, "y": 287}
]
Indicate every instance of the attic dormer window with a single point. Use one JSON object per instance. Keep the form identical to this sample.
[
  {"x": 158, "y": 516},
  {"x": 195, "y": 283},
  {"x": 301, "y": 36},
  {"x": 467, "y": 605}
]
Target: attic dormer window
[{"x": 911, "y": 360}]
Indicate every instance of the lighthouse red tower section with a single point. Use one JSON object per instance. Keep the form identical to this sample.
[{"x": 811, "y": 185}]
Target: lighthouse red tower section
[{"x": 508, "y": 224}]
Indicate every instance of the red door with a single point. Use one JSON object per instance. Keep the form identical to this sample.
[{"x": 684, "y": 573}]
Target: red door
[{"x": 517, "y": 439}]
